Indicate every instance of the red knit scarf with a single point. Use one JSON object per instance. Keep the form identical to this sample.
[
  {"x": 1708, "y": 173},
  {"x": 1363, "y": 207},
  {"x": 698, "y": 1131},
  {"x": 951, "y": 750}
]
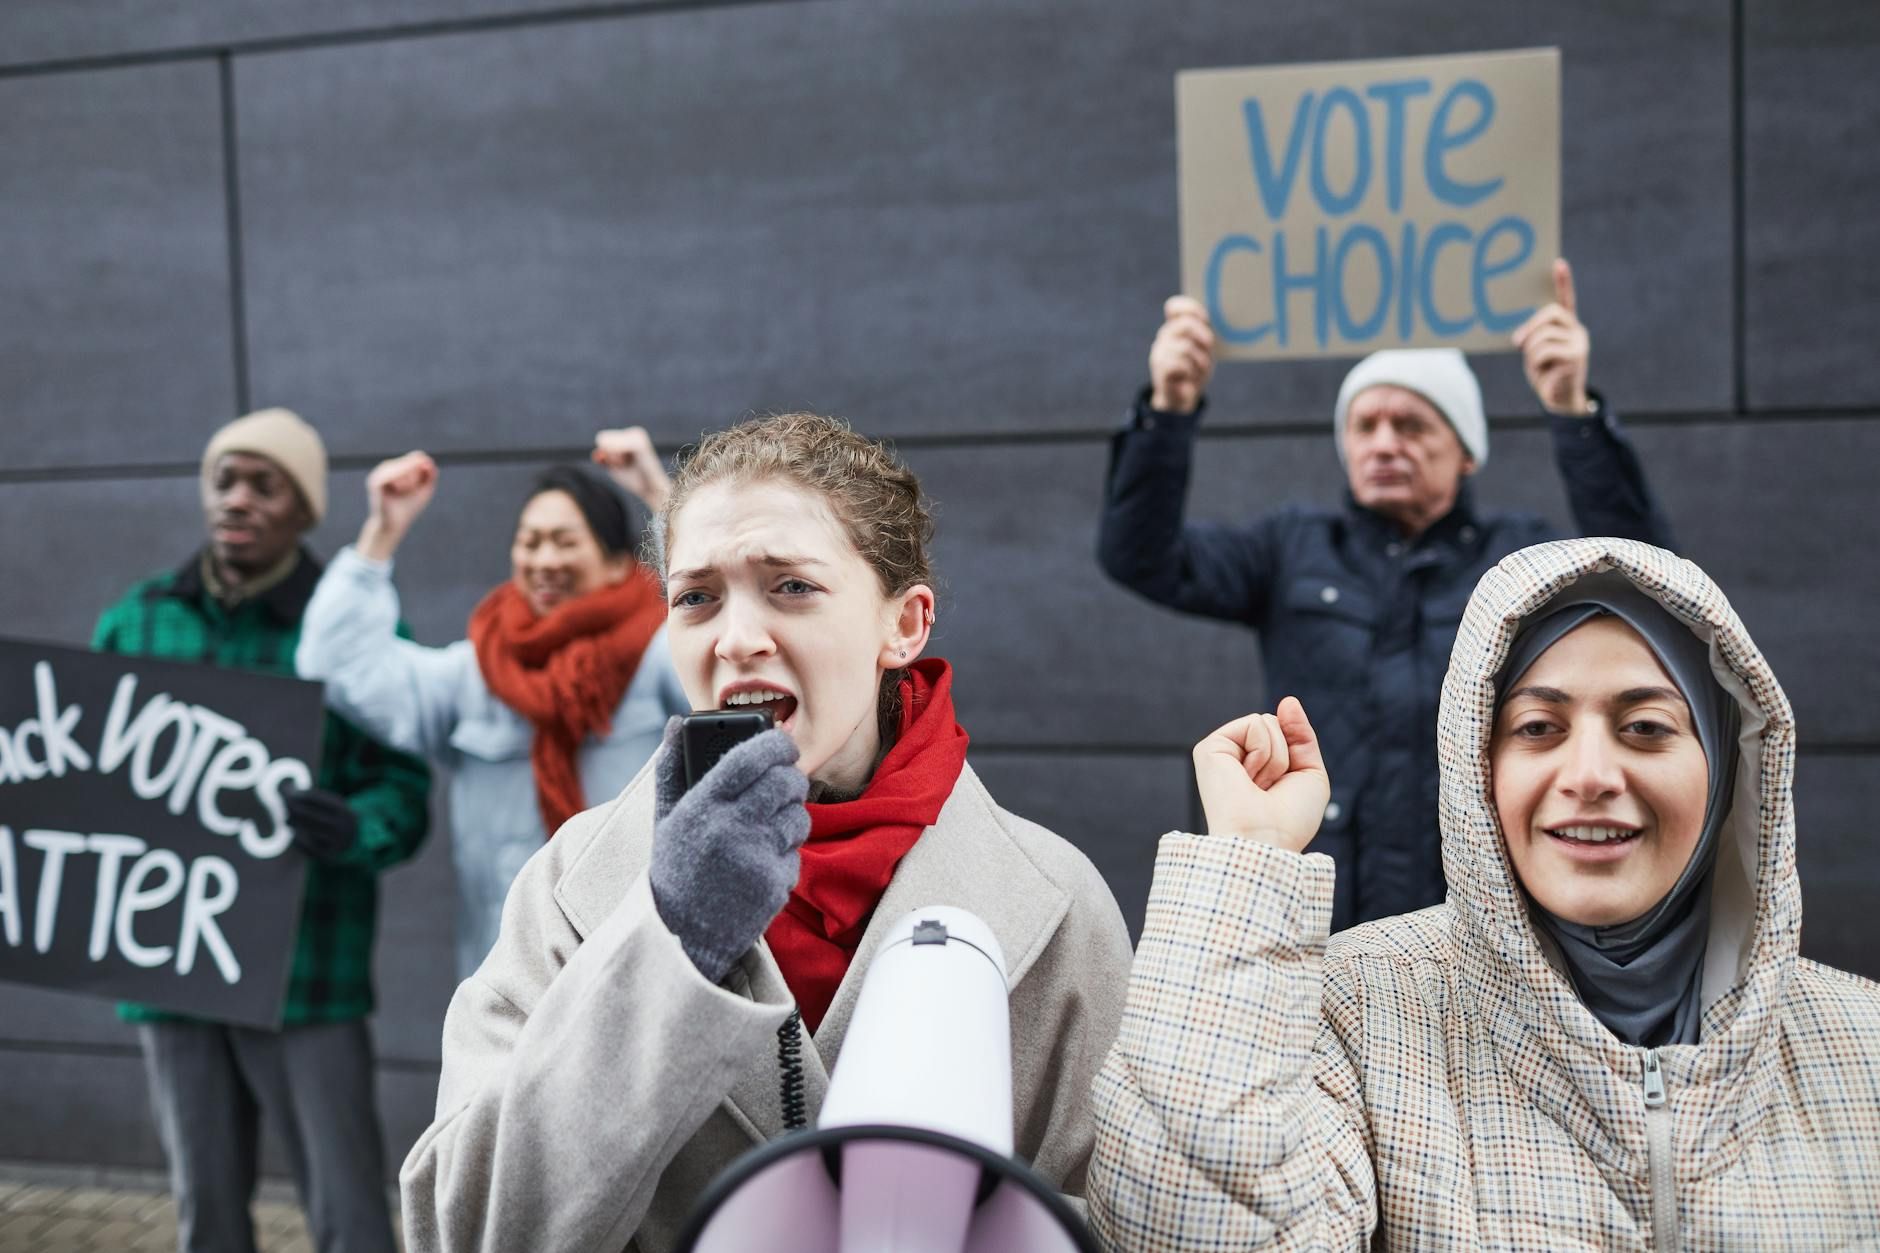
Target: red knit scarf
[
  {"x": 565, "y": 672},
  {"x": 855, "y": 846}
]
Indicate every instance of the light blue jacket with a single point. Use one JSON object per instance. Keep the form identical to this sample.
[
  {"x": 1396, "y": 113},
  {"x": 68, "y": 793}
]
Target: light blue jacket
[{"x": 433, "y": 702}]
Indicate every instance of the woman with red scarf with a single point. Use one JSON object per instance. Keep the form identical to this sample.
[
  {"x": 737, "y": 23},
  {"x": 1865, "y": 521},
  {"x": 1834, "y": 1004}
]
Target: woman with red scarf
[
  {"x": 555, "y": 700},
  {"x": 620, "y": 1046}
]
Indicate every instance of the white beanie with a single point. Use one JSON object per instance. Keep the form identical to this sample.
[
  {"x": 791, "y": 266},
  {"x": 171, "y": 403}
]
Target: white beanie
[
  {"x": 283, "y": 438},
  {"x": 1440, "y": 375}
]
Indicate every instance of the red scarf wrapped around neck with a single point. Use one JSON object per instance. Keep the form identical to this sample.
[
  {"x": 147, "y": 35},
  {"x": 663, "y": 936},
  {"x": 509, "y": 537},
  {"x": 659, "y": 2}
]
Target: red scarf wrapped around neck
[
  {"x": 565, "y": 672},
  {"x": 855, "y": 846}
]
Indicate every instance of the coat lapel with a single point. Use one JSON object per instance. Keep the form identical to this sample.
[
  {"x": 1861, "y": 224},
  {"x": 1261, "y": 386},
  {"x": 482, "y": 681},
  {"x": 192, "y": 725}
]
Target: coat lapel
[{"x": 968, "y": 859}]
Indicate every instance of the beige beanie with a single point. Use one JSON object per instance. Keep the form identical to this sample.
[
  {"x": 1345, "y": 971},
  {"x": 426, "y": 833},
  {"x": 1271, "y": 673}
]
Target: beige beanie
[{"x": 282, "y": 437}]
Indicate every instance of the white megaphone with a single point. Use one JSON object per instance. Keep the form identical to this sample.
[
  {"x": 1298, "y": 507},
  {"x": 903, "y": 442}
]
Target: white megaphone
[{"x": 913, "y": 1150}]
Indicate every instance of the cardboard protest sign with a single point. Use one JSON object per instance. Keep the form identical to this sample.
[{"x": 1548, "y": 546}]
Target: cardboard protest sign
[
  {"x": 1335, "y": 209},
  {"x": 144, "y": 845}
]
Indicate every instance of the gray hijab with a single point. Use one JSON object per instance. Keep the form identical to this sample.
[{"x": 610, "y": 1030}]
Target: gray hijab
[{"x": 1642, "y": 978}]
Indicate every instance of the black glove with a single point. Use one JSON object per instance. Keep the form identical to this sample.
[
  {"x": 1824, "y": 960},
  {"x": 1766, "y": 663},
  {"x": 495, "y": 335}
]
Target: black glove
[
  {"x": 325, "y": 827},
  {"x": 724, "y": 853}
]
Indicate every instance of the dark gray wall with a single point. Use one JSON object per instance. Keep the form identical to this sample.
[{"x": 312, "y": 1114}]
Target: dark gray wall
[{"x": 487, "y": 227}]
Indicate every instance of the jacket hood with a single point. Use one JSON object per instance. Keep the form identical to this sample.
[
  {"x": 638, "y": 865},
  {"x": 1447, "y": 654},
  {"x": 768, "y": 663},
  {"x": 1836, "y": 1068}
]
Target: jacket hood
[{"x": 1756, "y": 904}]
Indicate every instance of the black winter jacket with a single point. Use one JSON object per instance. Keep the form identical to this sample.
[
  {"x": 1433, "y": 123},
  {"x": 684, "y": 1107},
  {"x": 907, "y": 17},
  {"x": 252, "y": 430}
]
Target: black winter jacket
[{"x": 1354, "y": 620}]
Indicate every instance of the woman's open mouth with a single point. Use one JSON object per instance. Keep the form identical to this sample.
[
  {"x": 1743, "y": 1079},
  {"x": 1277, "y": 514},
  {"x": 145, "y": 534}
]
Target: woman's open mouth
[
  {"x": 1594, "y": 843},
  {"x": 779, "y": 704}
]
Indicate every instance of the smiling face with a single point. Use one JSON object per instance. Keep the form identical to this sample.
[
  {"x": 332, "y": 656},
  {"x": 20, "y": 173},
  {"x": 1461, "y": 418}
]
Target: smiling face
[
  {"x": 771, "y": 603},
  {"x": 555, "y": 557},
  {"x": 1402, "y": 458},
  {"x": 1599, "y": 779},
  {"x": 255, "y": 514}
]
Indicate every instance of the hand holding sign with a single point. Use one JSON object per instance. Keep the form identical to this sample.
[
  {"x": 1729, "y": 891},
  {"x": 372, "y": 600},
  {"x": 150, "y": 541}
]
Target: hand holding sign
[
  {"x": 629, "y": 457},
  {"x": 325, "y": 826},
  {"x": 1555, "y": 349},
  {"x": 1181, "y": 360},
  {"x": 397, "y": 491}
]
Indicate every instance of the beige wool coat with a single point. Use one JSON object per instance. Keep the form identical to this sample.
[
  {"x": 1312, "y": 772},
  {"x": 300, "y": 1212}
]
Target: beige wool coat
[
  {"x": 594, "y": 1083},
  {"x": 1433, "y": 1082}
]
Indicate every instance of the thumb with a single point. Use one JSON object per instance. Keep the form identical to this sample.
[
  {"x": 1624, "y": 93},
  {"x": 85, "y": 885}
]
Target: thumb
[
  {"x": 1563, "y": 286},
  {"x": 1302, "y": 742}
]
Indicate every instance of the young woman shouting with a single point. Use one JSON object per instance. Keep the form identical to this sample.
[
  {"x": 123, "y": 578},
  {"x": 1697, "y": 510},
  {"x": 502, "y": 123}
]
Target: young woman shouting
[{"x": 621, "y": 1045}]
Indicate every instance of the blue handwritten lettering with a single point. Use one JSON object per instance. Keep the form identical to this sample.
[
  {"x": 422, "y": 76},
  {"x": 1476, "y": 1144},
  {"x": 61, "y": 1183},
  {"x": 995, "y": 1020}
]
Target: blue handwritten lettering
[
  {"x": 1276, "y": 188},
  {"x": 1373, "y": 321},
  {"x": 1440, "y": 237},
  {"x": 1484, "y": 270},
  {"x": 1395, "y": 94},
  {"x": 1442, "y": 141},
  {"x": 1313, "y": 281},
  {"x": 1217, "y": 313},
  {"x": 1332, "y": 204}
]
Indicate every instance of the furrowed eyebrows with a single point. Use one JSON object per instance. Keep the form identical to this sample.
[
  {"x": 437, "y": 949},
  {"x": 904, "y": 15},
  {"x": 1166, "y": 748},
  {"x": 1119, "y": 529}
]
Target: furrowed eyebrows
[{"x": 776, "y": 562}]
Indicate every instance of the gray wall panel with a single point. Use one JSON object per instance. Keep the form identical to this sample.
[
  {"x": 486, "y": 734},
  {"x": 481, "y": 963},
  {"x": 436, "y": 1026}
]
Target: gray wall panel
[
  {"x": 42, "y": 1016},
  {"x": 94, "y": 1108},
  {"x": 1048, "y": 649},
  {"x": 37, "y": 31},
  {"x": 1836, "y": 799},
  {"x": 1811, "y": 109},
  {"x": 1114, "y": 807},
  {"x": 414, "y": 969},
  {"x": 1770, "y": 511},
  {"x": 114, "y": 326},
  {"x": 703, "y": 212},
  {"x": 94, "y": 540},
  {"x": 89, "y": 1107}
]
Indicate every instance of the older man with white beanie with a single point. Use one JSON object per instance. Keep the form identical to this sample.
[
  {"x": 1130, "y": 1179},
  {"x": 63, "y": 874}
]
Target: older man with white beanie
[{"x": 1357, "y": 604}]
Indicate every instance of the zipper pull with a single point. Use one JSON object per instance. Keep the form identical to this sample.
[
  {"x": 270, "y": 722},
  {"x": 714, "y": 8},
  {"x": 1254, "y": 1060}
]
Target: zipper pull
[{"x": 1654, "y": 1080}]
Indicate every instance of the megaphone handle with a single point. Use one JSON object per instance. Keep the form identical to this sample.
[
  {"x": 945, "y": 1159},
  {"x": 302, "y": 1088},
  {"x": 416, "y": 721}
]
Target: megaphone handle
[{"x": 790, "y": 1072}]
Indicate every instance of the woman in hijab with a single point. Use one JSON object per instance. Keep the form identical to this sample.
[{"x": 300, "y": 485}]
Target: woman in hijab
[
  {"x": 555, "y": 700},
  {"x": 1605, "y": 1038}
]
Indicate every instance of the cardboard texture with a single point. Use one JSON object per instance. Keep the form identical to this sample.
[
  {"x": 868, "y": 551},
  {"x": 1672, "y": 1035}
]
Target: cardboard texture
[{"x": 1335, "y": 209}]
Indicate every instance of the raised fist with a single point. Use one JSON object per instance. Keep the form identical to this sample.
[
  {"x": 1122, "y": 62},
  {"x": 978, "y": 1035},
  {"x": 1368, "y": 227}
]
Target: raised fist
[
  {"x": 627, "y": 454},
  {"x": 1262, "y": 778},
  {"x": 397, "y": 491}
]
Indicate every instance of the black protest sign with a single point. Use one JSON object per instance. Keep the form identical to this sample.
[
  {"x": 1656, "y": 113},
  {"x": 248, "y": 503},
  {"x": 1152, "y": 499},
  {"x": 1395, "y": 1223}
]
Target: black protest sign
[{"x": 145, "y": 852}]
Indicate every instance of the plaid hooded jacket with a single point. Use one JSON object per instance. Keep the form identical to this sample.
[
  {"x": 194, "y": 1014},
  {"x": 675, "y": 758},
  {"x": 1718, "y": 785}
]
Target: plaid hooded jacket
[{"x": 1432, "y": 1081}]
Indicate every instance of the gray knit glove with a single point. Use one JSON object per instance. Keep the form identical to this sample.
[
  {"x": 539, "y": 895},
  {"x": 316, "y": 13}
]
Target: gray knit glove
[{"x": 724, "y": 854}]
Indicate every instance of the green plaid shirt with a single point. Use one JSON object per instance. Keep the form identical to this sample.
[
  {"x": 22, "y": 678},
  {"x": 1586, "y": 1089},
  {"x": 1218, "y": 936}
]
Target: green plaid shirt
[{"x": 174, "y": 616}]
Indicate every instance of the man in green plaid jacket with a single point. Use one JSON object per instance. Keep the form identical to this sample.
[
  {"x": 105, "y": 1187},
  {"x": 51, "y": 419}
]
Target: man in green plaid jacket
[{"x": 238, "y": 603}]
